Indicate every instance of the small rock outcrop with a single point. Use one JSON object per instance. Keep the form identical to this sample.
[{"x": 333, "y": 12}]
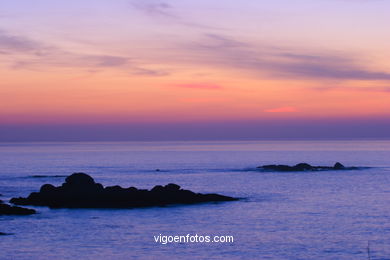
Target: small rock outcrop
[
  {"x": 81, "y": 191},
  {"x": 300, "y": 167},
  {"x": 6, "y": 209}
]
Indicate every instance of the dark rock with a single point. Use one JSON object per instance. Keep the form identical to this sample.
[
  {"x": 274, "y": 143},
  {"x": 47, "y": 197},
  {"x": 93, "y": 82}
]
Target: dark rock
[
  {"x": 132, "y": 189},
  {"x": 46, "y": 188},
  {"x": 79, "y": 179},
  {"x": 172, "y": 187},
  {"x": 300, "y": 167},
  {"x": 81, "y": 191},
  {"x": 338, "y": 166},
  {"x": 115, "y": 188},
  {"x": 6, "y": 209},
  {"x": 303, "y": 167},
  {"x": 157, "y": 188}
]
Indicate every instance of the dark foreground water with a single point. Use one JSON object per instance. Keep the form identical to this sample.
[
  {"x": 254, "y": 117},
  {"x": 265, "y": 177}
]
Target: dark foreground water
[{"x": 311, "y": 215}]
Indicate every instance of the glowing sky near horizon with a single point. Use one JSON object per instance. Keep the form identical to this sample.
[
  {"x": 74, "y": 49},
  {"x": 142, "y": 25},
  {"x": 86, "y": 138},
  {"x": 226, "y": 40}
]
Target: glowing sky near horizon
[{"x": 146, "y": 61}]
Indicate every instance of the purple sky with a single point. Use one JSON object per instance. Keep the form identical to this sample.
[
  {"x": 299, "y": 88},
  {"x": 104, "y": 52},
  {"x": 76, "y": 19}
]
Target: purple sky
[
  {"x": 194, "y": 69},
  {"x": 240, "y": 130}
]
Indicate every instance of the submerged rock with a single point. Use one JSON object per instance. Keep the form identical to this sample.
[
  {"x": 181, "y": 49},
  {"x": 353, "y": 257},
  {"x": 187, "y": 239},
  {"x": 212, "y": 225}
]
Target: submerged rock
[
  {"x": 300, "y": 167},
  {"x": 6, "y": 209},
  {"x": 5, "y": 234},
  {"x": 81, "y": 191}
]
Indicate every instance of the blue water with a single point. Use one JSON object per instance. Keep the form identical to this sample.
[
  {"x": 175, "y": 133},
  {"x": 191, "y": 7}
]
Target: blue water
[{"x": 310, "y": 215}]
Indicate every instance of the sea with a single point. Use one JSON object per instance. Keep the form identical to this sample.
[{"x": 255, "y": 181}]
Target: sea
[{"x": 280, "y": 215}]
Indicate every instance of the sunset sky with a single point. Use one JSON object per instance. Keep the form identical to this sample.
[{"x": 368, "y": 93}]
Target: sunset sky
[{"x": 194, "y": 69}]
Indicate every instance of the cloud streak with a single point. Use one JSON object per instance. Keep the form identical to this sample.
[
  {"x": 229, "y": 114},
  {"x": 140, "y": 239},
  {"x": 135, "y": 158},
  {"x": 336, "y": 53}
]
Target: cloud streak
[
  {"x": 165, "y": 11},
  {"x": 213, "y": 49},
  {"x": 24, "y": 53},
  {"x": 383, "y": 89},
  {"x": 12, "y": 43},
  {"x": 279, "y": 62},
  {"x": 160, "y": 9}
]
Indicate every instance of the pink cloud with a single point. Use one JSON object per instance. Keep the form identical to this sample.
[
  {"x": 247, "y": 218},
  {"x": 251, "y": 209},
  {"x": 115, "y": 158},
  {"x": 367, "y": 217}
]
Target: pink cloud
[
  {"x": 200, "y": 86},
  {"x": 281, "y": 110},
  {"x": 203, "y": 100}
]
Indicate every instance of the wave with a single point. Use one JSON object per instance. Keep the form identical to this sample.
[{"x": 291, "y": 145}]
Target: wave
[
  {"x": 47, "y": 176},
  {"x": 248, "y": 169},
  {"x": 202, "y": 170}
]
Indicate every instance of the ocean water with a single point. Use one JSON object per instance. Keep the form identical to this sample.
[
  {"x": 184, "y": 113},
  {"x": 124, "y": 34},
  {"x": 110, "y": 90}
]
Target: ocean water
[{"x": 300, "y": 215}]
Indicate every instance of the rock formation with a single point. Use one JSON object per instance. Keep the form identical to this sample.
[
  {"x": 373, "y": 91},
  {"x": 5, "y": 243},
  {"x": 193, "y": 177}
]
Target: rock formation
[
  {"x": 300, "y": 167},
  {"x": 81, "y": 191}
]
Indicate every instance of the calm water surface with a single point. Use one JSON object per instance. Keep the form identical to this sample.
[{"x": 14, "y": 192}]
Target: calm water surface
[{"x": 311, "y": 215}]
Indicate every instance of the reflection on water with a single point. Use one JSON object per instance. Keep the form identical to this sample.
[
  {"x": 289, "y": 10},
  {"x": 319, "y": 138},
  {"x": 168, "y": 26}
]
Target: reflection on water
[{"x": 311, "y": 215}]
